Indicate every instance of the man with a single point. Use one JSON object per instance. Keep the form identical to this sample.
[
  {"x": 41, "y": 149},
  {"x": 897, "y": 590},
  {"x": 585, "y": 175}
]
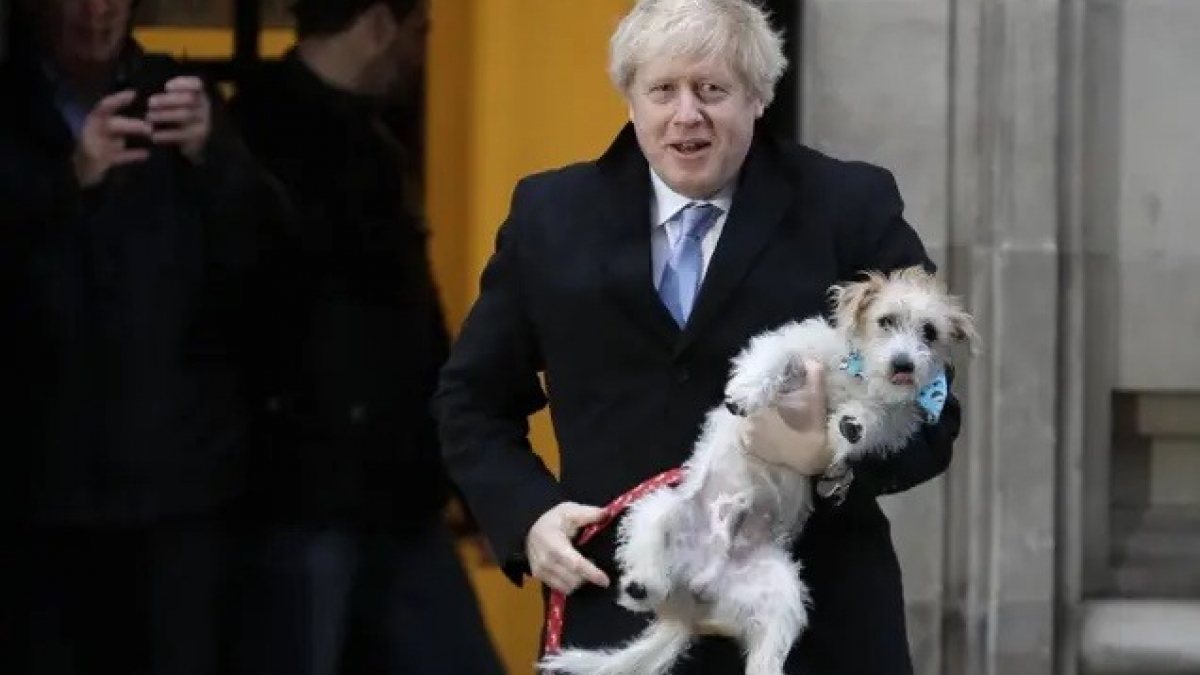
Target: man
[
  {"x": 126, "y": 217},
  {"x": 355, "y": 570},
  {"x": 589, "y": 288}
]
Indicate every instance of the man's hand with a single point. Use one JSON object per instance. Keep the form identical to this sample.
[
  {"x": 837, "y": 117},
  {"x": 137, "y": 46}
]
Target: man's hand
[
  {"x": 552, "y": 557},
  {"x": 182, "y": 115},
  {"x": 792, "y": 432},
  {"x": 103, "y": 141}
]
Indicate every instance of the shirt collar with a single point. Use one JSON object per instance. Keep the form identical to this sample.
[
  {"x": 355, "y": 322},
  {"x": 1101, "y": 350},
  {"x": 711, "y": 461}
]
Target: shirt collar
[{"x": 668, "y": 202}]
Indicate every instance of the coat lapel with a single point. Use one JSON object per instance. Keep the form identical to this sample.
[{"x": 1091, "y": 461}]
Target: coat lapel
[
  {"x": 626, "y": 249},
  {"x": 759, "y": 204},
  {"x": 762, "y": 198}
]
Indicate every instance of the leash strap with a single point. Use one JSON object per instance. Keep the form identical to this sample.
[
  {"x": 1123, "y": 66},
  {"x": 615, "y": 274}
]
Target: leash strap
[{"x": 558, "y": 601}]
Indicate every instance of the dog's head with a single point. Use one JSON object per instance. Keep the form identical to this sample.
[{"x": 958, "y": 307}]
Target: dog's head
[{"x": 904, "y": 325}]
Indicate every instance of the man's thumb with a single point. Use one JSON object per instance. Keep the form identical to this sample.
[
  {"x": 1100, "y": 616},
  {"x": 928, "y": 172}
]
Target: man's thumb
[
  {"x": 816, "y": 374},
  {"x": 581, "y": 514}
]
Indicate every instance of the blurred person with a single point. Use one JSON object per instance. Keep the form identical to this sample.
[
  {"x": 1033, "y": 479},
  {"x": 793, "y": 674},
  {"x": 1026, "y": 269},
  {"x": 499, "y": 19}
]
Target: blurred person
[
  {"x": 127, "y": 216},
  {"x": 627, "y": 283},
  {"x": 353, "y": 566}
]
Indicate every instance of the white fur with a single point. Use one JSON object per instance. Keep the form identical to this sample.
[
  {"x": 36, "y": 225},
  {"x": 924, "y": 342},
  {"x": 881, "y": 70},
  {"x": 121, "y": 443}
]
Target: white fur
[{"x": 713, "y": 555}]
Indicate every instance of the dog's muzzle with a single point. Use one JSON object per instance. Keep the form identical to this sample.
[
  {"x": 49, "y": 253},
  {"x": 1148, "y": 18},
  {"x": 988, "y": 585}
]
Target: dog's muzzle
[{"x": 902, "y": 369}]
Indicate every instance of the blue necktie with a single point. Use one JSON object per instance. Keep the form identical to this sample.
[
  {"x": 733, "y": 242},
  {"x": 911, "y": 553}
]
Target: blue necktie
[{"x": 681, "y": 277}]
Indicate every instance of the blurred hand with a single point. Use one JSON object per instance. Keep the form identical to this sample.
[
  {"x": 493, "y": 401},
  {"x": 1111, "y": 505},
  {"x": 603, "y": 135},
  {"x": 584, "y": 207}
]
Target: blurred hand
[
  {"x": 182, "y": 115},
  {"x": 551, "y": 554},
  {"x": 103, "y": 141},
  {"x": 792, "y": 432}
]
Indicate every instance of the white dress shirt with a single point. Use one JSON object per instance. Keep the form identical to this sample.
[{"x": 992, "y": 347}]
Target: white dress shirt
[{"x": 667, "y": 228}]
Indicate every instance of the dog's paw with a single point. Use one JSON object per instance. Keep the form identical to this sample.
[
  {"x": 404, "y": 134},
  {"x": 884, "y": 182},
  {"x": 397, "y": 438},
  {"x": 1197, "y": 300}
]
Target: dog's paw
[
  {"x": 755, "y": 389},
  {"x": 850, "y": 428},
  {"x": 637, "y": 596}
]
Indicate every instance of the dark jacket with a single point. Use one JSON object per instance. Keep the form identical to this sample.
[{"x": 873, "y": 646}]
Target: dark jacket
[
  {"x": 121, "y": 307},
  {"x": 568, "y": 294},
  {"x": 353, "y": 329}
]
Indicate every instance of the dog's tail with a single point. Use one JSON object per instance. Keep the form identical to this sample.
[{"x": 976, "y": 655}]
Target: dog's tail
[{"x": 651, "y": 653}]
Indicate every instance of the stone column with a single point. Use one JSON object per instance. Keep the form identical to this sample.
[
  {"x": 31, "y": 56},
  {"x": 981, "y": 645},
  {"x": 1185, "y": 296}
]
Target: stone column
[{"x": 962, "y": 99}]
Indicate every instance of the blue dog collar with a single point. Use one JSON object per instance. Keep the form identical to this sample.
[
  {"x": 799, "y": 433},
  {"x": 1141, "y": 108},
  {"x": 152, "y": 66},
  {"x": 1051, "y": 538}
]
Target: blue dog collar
[{"x": 931, "y": 399}]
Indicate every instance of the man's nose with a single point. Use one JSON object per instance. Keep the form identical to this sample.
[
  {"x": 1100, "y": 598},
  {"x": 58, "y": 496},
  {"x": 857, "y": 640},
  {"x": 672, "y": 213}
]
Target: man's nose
[
  {"x": 687, "y": 108},
  {"x": 99, "y": 7}
]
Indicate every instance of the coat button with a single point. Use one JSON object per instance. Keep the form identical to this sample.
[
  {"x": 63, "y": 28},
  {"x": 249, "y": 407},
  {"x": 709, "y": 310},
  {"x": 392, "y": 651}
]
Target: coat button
[{"x": 357, "y": 414}]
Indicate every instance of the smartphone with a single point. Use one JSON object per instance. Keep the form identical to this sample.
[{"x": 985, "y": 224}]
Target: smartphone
[{"x": 144, "y": 85}]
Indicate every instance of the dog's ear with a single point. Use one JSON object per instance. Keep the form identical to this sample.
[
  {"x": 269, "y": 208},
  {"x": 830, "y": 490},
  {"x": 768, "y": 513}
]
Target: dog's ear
[
  {"x": 963, "y": 331},
  {"x": 850, "y": 301}
]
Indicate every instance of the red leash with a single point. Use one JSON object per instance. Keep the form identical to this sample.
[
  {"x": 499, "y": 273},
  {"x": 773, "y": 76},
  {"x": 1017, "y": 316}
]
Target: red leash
[{"x": 558, "y": 601}]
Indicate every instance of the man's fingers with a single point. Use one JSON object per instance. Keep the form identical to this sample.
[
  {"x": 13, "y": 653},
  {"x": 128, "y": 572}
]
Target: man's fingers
[
  {"x": 570, "y": 563},
  {"x": 582, "y": 567},
  {"x": 109, "y": 105},
  {"x": 579, "y": 515},
  {"x": 816, "y": 376},
  {"x": 559, "y": 581},
  {"x": 170, "y": 136},
  {"x": 126, "y": 126},
  {"x": 130, "y": 156},
  {"x": 172, "y": 116},
  {"x": 186, "y": 100},
  {"x": 185, "y": 83}
]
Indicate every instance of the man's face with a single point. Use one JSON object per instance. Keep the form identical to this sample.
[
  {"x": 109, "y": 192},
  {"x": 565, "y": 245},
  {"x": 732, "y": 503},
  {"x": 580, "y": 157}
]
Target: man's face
[
  {"x": 694, "y": 122},
  {"x": 86, "y": 34},
  {"x": 402, "y": 55}
]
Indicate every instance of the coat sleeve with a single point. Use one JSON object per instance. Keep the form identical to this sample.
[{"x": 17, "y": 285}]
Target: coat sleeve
[
  {"x": 487, "y": 390},
  {"x": 38, "y": 194},
  {"x": 888, "y": 242}
]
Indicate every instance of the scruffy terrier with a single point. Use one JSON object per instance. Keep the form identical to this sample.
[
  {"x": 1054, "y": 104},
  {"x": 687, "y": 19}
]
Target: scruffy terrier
[{"x": 712, "y": 556}]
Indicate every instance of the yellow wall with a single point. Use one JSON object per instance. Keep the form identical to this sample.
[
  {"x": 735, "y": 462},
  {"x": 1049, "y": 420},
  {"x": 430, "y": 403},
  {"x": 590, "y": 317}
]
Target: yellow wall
[
  {"x": 514, "y": 86},
  {"x": 529, "y": 92}
]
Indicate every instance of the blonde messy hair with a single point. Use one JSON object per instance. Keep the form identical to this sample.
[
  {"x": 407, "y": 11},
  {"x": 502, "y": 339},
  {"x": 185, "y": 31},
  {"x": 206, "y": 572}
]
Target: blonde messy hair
[{"x": 737, "y": 31}]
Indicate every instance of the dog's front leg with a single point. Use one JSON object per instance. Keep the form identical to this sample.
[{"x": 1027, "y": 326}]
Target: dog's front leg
[{"x": 761, "y": 374}]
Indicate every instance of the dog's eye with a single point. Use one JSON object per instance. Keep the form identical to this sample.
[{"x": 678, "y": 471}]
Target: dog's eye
[
  {"x": 888, "y": 321},
  {"x": 930, "y": 332}
]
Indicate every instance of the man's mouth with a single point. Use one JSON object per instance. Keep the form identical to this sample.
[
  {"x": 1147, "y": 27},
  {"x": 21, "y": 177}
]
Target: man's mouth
[{"x": 690, "y": 148}]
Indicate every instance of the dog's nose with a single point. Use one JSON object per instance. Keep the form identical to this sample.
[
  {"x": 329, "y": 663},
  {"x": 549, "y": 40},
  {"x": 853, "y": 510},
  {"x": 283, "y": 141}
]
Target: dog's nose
[
  {"x": 635, "y": 591},
  {"x": 902, "y": 364}
]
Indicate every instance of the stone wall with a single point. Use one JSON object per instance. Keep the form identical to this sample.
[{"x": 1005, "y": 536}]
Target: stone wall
[{"x": 1045, "y": 150}]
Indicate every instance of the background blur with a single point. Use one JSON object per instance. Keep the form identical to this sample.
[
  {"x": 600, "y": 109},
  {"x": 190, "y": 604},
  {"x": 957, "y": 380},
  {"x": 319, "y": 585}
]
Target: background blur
[{"x": 1046, "y": 149}]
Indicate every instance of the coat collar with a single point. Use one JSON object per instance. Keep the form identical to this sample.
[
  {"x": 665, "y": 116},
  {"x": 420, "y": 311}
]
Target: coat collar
[{"x": 760, "y": 200}]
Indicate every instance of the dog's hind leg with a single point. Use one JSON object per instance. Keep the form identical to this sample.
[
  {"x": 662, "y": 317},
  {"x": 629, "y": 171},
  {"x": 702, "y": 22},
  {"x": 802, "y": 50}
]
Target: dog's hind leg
[
  {"x": 774, "y": 606},
  {"x": 642, "y": 550}
]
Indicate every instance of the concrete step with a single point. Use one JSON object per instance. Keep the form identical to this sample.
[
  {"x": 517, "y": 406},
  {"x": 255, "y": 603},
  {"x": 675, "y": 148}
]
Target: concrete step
[
  {"x": 1156, "y": 534},
  {"x": 1156, "y": 580},
  {"x": 1140, "y": 637}
]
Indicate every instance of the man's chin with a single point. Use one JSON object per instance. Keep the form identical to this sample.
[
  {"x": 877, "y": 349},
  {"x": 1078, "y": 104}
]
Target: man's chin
[{"x": 690, "y": 182}]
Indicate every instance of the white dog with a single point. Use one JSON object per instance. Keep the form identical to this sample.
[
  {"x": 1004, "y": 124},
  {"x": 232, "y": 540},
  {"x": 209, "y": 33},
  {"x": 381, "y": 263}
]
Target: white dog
[{"x": 713, "y": 555}]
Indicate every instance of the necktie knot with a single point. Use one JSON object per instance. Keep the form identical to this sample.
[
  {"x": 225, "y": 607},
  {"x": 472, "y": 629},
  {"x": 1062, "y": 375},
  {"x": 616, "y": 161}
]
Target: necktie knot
[{"x": 698, "y": 218}]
